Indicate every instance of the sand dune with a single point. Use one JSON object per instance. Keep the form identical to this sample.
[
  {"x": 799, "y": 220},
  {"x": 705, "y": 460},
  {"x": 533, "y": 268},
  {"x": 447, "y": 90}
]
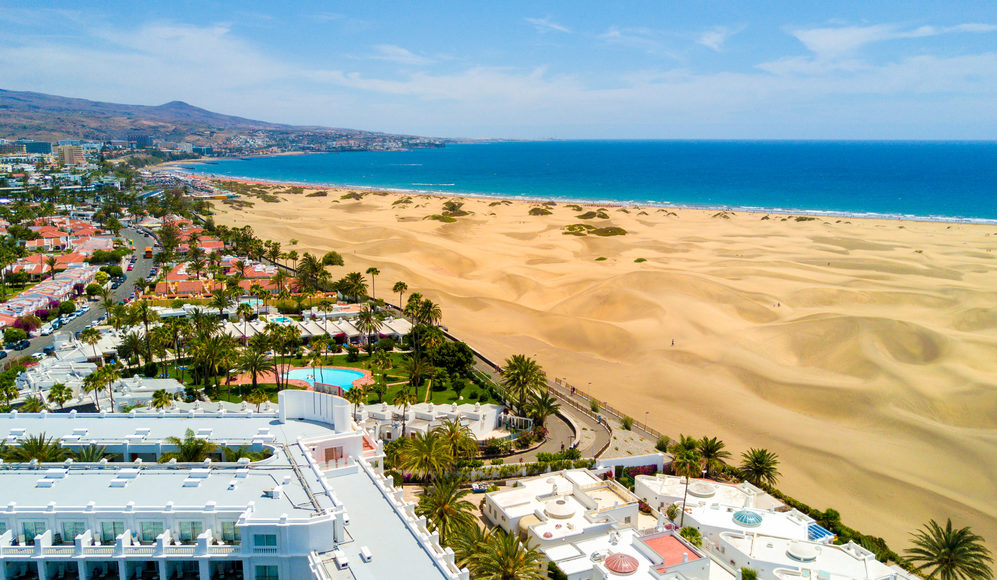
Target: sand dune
[{"x": 864, "y": 352}]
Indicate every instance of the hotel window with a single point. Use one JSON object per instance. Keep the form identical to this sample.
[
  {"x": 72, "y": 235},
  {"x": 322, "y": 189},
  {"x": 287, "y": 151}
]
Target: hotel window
[
  {"x": 32, "y": 529},
  {"x": 230, "y": 533},
  {"x": 109, "y": 531},
  {"x": 72, "y": 529},
  {"x": 190, "y": 530},
  {"x": 264, "y": 540},
  {"x": 150, "y": 530},
  {"x": 266, "y": 573}
]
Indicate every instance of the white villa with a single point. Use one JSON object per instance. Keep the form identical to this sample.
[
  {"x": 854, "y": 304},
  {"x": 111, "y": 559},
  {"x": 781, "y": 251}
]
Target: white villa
[
  {"x": 282, "y": 518},
  {"x": 385, "y": 421},
  {"x": 744, "y": 527}
]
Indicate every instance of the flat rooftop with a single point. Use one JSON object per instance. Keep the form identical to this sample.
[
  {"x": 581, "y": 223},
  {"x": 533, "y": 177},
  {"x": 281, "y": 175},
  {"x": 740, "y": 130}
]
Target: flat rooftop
[
  {"x": 833, "y": 562},
  {"x": 238, "y": 427}
]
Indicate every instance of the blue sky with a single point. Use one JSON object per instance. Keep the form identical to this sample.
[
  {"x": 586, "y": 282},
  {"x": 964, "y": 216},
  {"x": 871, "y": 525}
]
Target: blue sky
[{"x": 664, "y": 69}]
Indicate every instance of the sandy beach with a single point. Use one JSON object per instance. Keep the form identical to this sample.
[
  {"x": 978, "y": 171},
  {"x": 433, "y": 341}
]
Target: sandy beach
[{"x": 863, "y": 352}]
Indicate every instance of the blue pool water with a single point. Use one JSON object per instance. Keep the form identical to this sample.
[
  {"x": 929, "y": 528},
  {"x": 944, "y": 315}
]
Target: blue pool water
[
  {"x": 281, "y": 320},
  {"x": 928, "y": 180},
  {"x": 342, "y": 378}
]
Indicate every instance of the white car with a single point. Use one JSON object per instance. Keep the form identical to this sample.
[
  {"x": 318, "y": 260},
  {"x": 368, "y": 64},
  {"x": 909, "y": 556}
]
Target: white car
[{"x": 38, "y": 355}]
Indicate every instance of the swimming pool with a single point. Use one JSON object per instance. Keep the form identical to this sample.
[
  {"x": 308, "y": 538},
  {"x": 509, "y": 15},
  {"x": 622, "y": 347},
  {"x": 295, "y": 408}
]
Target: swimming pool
[
  {"x": 280, "y": 319},
  {"x": 342, "y": 378}
]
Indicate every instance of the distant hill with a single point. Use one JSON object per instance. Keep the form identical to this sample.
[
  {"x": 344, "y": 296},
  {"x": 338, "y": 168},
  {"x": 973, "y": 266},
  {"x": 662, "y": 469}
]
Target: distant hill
[{"x": 50, "y": 117}]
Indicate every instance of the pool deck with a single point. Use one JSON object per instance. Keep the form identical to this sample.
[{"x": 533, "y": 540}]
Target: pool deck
[{"x": 268, "y": 377}]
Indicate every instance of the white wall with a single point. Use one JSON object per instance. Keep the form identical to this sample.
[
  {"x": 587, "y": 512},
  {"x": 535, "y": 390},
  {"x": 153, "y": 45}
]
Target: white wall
[{"x": 313, "y": 406}]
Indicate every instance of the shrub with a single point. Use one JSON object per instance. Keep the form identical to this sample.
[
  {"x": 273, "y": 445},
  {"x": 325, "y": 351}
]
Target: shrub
[
  {"x": 497, "y": 461},
  {"x": 524, "y": 439},
  {"x": 672, "y": 511},
  {"x": 150, "y": 370},
  {"x": 571, "y": 453},
  {"x": 386, "y": 344},
  {"x": 594, "y": 406},
  {"x": 609, "y": 231},
  {"x": 539, "y": 211},
  {"x": 662, "y": 444},
  {"x": 12, "y": 335},
  {"x": 92, "y": 289},
  {"x": 628, "y": 423},
  {"x": 640, "y": 260},
  {"x": 67, "y": 307},
  {"x": 748, "y": 574},
  {"x": 352, "y": 354}
]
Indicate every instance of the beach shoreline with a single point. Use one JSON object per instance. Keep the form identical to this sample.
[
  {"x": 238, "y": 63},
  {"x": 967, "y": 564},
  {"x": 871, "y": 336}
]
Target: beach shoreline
[{"x": 586, "y": 202}]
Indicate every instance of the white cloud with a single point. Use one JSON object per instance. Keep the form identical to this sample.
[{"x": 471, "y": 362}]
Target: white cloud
[
  {"x": 545, "y": 24},
  {"x": 715, "y": 37},
  {"x": 838, "y": 42},
  {"x": 397, "y": 54}
]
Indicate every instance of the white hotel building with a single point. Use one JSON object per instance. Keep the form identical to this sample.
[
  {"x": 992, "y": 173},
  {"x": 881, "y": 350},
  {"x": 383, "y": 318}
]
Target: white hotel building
[{"x": 286, "y": 517}]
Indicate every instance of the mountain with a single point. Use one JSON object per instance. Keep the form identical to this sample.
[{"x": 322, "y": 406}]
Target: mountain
[{"x": 50, "y": 117}]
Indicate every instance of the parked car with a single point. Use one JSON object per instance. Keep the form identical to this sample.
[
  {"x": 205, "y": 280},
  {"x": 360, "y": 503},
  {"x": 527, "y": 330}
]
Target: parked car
[
  {"x": 38, "y": 355},
  {"x": 22, "y": 344},
  {"x": 50, "y": 349},
  {"x": 3, "y": 354}
]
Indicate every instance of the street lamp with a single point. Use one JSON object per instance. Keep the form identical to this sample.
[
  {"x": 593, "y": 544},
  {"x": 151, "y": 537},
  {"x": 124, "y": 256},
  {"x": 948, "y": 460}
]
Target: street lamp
[{"x": 645, "y": 421}]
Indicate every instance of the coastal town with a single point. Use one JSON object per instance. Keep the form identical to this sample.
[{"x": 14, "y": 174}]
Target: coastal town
[{"x": 186, "y": 399}]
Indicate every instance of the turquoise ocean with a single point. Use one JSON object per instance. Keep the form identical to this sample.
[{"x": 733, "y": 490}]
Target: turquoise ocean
[{"x": 911, "y": 180}]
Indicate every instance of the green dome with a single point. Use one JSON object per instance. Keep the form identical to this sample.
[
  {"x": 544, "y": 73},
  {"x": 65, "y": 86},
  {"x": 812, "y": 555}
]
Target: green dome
[{"x": 747, "y": 519}]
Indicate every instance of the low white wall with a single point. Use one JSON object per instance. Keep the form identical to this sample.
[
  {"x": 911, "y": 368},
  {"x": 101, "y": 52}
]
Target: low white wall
[{"x": 313, "y": 406}]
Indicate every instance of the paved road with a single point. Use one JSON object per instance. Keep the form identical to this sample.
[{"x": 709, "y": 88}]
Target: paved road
[{"x": 141, "y": 271}]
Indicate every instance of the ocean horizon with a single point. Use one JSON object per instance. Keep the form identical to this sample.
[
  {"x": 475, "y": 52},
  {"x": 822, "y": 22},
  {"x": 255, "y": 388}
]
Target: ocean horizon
[{"x": 924, "y": 180}]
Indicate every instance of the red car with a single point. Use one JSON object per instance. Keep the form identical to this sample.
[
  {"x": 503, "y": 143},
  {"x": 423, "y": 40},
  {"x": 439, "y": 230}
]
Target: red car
[{"x": 130, "y": 267}]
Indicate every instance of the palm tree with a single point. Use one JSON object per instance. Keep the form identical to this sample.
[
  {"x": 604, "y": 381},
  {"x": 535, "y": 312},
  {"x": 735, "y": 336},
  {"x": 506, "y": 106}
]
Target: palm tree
[
  {"x": 466, "y": 544},
  {"x": 504, "y": 557},
  {"x": 244, "y": 311},
  {"x": 220, "y": 300},
  {"x": 161, "y": 399},
  {"x": 418, "y": 368},
  {"x": 190, "y": 449},
  {"x": 712, "y": 451},
  {"x": 543, "y": 405},
  {"x": 399, "y": 288},
  {"x": 257, "y": 397},
  {"x": 685, "y": 443},
  {"x": 131, "y": 347},
  {"x": 355, "y": 286},
  {"x": 445, "y": 509},
  {"x": 142, "y": 312},
  {"x": 372, "y": 272},
  {"x": 90, "y": 454},
  {"x": 255, "y": 361},
  {"x": 687, "y": 463},
  {"x": 92, "y": 385},
  {"x": 950, "y": 554},
  {"x": 91, "y": 336},
  {"x": 404, "y": 397},
  {"x": 44, "y": 449},
  {"x": 458, "y": 438},
  {"x": 430, "y": 312},
  {"x": 109, "y": 375},
  {"x": 51, "y": 262},
  {"x": 425, "y": 455},
  {"x": 33, "y": 404},
  {"x": 367, "y": 322},
  {"x": 521, "y": 377},
  {"x": 759, "y": 466},
  {"x": 355, "y": 395},
  {"x": 60, "y": 394}
]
